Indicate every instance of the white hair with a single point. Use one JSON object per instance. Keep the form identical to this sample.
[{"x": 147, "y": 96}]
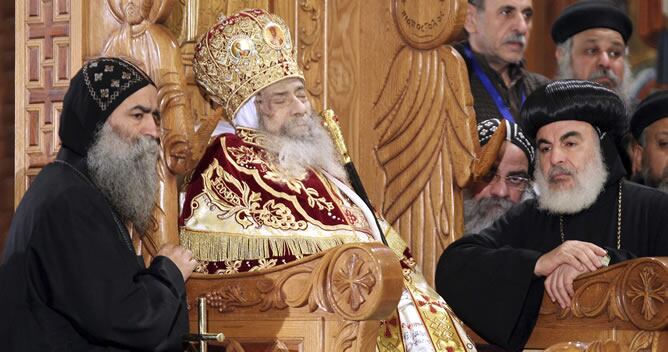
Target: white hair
[
  {"x": 588, "y": 185},
  {"x": 294, "y": 154}
]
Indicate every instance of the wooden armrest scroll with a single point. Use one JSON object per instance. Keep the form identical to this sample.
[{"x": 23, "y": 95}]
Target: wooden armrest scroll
[
  {"x": 355, "y": 281},
  {"x": 330, "y": 301},
  {"x": 625, "y": 302}
]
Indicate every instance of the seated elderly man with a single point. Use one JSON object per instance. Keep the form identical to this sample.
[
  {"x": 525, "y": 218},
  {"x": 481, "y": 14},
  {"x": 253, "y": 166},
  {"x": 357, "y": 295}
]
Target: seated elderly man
[
  {"x": 649, "y": 126},
  {"x": 272, "y": 189},
  {"x": 506, "y": 183},
  {"x": 585, "y": 216}
]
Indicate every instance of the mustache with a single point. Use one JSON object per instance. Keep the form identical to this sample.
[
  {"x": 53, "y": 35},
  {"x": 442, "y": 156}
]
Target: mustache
[
  {"x": 559, "y": 170},
  {"x": 604, "y": 73},
  {"x": 515, "y": 38},
  {"x": 486, "y": 204}
]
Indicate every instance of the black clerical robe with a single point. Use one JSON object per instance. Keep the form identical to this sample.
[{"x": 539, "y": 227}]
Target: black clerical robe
[
  {"x": 71, "y": 280},
  {"x": 488, "y": 278}
]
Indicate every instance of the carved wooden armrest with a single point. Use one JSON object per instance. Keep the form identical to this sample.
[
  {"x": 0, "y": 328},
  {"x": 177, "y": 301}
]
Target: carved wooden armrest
[
  {"x": 626, "y": 302},
  {"x": 357, "y": 282},
  {"x": 330, "y": 301}
]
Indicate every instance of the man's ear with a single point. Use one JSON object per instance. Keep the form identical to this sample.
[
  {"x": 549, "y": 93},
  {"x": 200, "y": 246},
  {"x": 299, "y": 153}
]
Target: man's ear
[
  {"x": 636, "y": 157},
  {"x": 470, "y": 24},
  {"x": 559, "y": 53}
]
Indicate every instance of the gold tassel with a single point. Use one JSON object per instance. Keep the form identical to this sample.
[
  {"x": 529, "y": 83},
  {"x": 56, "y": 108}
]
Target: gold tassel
[{"x": 221, "y": 246}]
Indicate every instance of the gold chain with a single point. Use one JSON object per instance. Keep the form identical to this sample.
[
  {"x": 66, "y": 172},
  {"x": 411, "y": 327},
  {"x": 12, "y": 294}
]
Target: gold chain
[{"x": 619, "y": 220}]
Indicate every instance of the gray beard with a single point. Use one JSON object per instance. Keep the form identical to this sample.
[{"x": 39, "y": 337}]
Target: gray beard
[
  {"x": 480, "y": 214},
  {"x": 296, "y": 153},
  {"x": 661, "y": 183},
  {"x": 663, "y": 186},
  {"x": 126, "y": 174},
  {"x": 588, "y": 185}
]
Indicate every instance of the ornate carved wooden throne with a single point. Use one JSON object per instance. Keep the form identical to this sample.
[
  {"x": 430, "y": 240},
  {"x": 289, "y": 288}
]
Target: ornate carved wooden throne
[{"x": 407, "y": 114}]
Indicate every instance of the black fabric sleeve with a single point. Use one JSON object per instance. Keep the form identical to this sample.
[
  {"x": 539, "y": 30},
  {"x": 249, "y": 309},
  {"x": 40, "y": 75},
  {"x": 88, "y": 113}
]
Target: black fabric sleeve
[
  {"x": 619, "y": 255},
  {"x": 488, "y": 286},
  {"x": 488, "y": 279},
  {"x": 84, "y": 270}
]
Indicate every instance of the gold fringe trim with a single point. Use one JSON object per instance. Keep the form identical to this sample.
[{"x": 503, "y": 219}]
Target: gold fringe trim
[{"x": 221, "y": 246}]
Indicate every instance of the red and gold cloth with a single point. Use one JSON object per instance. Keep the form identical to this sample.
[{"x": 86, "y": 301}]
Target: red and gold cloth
[{"x": 242, "y": 214}]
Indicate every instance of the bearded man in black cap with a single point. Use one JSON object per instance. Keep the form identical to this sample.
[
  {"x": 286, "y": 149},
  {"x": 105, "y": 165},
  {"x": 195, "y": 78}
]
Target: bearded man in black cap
[
  {"x": 585, "y": 216},
  {"x": 71, "y": 279},
  {"x": 507, "y": 182},
  {"x": 649, "y": 126},
  {"x": 592, "y": 38}
]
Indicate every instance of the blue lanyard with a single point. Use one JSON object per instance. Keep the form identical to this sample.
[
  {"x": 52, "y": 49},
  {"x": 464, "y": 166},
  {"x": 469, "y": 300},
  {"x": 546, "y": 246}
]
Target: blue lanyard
[{"x": 489, "y": 87}]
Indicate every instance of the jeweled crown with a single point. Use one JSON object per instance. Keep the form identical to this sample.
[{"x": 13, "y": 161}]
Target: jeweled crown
[{"x": 242, "y": 54}]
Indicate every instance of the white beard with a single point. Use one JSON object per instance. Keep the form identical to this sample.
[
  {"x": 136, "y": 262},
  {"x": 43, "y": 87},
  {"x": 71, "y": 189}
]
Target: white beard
[
  {"x": 588, "y": 185},
  {"x": 296, "y": 152}
]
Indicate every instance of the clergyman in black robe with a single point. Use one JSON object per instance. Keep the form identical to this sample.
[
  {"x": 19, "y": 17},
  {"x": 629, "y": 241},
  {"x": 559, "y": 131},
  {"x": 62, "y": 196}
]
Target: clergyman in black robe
[
  {"x": 71, "y": 279},
  {"x": 495, "y": 280}
]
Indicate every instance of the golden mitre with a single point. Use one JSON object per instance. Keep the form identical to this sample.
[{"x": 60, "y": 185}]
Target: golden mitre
[{"x": 241, "y": 54}]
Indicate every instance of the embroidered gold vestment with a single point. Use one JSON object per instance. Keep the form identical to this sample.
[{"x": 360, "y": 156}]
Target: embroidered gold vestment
[{"x": 241, "y": 213}]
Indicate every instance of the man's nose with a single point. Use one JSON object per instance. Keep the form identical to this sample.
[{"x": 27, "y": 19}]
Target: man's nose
[
  {"x": 604, "y": 60},
  {"x": 557, "y": 156},
  {"x": 498, "y": 187},
  {"x": 149, "y": 126},
  {"x": 298, "y": 107},
  {"x": 521, "y": 24}
]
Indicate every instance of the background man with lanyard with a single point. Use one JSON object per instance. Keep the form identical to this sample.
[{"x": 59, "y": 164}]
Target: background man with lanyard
[{"x": 498, "y": 33}]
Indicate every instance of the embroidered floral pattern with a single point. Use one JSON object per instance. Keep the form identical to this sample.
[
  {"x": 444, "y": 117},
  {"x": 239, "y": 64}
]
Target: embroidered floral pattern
[
  {"x": 105, "y": 87},
  {"x": 231, "y": 267},
  {"x": 249, "y": 158},
  {"x": 245, "y": 156},
  {"x": 234, "y": 198},
  {"x": 264, "y": 264}
]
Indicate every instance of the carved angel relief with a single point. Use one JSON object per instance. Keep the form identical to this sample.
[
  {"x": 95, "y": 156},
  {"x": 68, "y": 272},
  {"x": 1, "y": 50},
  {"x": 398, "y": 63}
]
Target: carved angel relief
[{"x": 427, "y": 130}]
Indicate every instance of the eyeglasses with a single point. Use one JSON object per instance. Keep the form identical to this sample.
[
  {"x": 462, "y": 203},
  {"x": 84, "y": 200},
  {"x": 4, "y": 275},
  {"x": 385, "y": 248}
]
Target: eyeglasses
[{"x": 512, "y": 181}]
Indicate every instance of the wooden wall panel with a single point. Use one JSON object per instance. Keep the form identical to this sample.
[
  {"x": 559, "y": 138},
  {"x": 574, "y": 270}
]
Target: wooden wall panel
[
  {"x": 44, "y": 59},
  {"x": 540, "y": 52},
  {"x": 6, "y": 118}
]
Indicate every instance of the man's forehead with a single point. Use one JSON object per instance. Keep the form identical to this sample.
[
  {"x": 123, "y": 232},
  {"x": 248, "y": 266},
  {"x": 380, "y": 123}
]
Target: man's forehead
[
  {"x": 146, "y": 97},
  {"x": 599, "y": 35},
  {"x": 513, "y": 159},
  {"x": 288, "y": 84},
  {"x": 558, "y": 129},
  {"x": 660, "y": 125},
  {"x": 518, "y": 4}
]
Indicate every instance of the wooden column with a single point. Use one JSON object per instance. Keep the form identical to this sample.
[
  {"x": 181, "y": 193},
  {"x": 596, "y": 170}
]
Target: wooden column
[{"x": 6, "y": 118}]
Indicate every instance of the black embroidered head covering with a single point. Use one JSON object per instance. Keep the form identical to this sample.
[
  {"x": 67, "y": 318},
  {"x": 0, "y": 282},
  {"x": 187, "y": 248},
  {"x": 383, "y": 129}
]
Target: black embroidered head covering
[
  {"x": 590, "y": 14},
  {"x": 650, "y": 110},
  {"x": 573, "y": 99},
  {"x": 95, "y": 91},
  {"x": 514, "y": 135}
]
